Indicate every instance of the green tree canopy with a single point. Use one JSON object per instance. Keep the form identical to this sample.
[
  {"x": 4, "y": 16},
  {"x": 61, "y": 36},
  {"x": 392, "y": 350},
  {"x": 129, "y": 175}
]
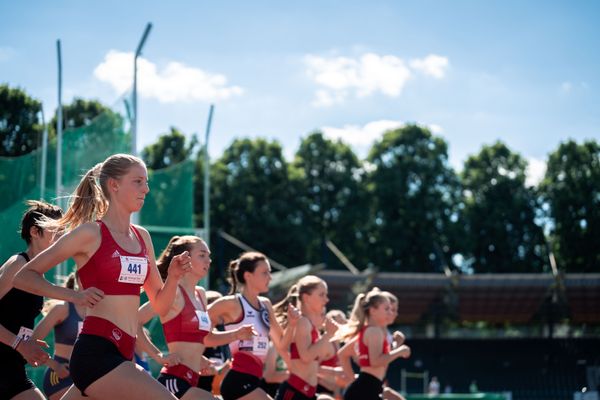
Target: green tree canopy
[
  {"x": 171, "y": 148},
  {"x": 414, "y": 195},
  {"x": 501, "y": 234},
  {"x": 332, "y": 196},
  {"x": 79, "y": 113},
  {"x": 20, "y": 125},
  {"x": 254, "y": 199},
  {"x": 571, "y": 189}
]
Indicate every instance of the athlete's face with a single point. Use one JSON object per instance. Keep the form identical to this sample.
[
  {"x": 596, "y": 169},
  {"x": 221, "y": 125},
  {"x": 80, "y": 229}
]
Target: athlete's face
[
  {"x": 317, "y": 299},
  {"x": 131, "y": 188},
  {"x": 381, "y": 313},
  {"x": 260, "y": 278},
  {"x": 200, "y": 255},
  {"x": 43, "y": 238}
]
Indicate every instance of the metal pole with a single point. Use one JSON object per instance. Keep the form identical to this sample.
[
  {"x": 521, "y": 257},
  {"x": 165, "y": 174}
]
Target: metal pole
[
  {"x": 44, "y": 157},
  {"x": 59, "y": 126},
  {"x": 138, "y": 52},
  {"x": 207, "y": 178}
]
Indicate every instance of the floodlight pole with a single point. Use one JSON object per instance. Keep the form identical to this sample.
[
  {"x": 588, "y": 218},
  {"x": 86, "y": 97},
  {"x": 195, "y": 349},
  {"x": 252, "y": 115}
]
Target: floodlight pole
[
  {"x": 138, "y": 52},
  {"x": 44, "y": 157},
  {"x": 207, "y": 178},
  {"x": 59, "y": 127}
]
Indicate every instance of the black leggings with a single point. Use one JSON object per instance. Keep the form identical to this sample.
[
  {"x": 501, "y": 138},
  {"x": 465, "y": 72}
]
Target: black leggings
[{"x": 365, "y": 387}]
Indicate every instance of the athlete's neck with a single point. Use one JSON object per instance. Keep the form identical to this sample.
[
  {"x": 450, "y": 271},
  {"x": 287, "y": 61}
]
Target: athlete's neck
[{"x": 251, "y": 297}]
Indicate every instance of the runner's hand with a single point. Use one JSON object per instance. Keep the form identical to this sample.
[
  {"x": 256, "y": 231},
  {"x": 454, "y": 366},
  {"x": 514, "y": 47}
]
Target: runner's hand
[{"x": 32, "y": 351}]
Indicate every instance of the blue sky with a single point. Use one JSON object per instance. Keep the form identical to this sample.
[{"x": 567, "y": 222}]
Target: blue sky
[{"x": 526, "y": 73}]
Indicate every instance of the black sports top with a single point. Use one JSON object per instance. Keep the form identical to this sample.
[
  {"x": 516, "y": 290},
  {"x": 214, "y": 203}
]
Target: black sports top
[{"x": 19, "y": 308}]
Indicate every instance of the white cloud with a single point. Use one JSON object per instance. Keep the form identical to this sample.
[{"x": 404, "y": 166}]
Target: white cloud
[
  {"x": 6, "y": 53},
  {"x": 341, "y": 77},
  {"x": 432, "y": 65},
  {"x": 566, "y": 87},
  {"x": 536, "y": 169},
  {"x": 435, "y": 129},
  {"x": 175, "y": 82},
  {"x": 356, "y": 135}
]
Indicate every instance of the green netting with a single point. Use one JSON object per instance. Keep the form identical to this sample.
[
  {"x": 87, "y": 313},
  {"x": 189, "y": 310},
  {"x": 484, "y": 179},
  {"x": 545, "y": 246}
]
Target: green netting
[
  {"x": 82, "y": 148},
  {"x": 171, "y": 196},
  {"x": 168, "y": 209}
]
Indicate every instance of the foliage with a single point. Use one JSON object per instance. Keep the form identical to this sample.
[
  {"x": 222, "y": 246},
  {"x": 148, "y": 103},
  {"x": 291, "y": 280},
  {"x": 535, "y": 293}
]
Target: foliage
[
  {"x": 332, "y": 197},
  {"x": 170, "y": 149},
  {"x": 501, "y": 234},
  {"x": 571, "y": 190},
  {"x": 254, "y": 198},
  {"x": 414, "y": 196},
  {"x": 20, "y": 125}
]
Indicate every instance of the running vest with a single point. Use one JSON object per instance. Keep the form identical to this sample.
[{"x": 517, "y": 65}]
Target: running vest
[
  {"x": 190, "y": 325},
  {"x": 362, "y": 350},
  {"x": 114, "y": 270},
  {"x": 67, "y": 331},
  {"x": 249, "y": 355},
  {"x": 18, "y": 310},
  {"x": 314, "y": 336}
]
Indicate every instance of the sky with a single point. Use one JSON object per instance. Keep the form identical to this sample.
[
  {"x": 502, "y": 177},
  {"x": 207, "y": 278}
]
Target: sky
[{"x": 474, "y": 72}]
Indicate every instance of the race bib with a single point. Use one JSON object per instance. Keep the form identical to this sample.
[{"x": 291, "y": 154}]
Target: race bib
[
  {"x": 203, "y": 320},
  {"x": 260, "y": 345},
  {"x": 79, "y": 327},
  {"x": 133, "y": 270},
  {"x": 25, "y": 333}
]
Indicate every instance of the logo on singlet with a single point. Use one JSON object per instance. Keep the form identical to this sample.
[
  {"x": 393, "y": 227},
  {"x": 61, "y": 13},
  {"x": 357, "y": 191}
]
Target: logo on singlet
[
  {"x": 117, "y": 334},
  {"x": 189, "y": 375},
  {"x": 116, "y": 254}
]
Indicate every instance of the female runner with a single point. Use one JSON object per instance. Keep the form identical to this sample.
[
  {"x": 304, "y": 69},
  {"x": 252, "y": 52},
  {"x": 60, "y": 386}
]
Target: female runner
[
  {"x": 66, "y": 320},
  {"x": 115, "y": 259},
  {"x": 187, "y": 327},
  {"x": 371, "y": 345},
  {"x": 18, "y": 309},
  {"x": 252, "y": 272},
  {"x": 308, "y": 345}
]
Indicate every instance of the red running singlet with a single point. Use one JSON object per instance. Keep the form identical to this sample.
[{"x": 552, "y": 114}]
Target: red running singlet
[
  {"x": 190, "y": 325},
  {"x": 114, "y": 270},
  {"x": 314, "y": 336},
  {"x": 363, "y": 351}
]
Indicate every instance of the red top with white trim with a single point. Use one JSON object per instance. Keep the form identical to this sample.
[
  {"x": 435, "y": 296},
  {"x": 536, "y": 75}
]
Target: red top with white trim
[
  {"x": 114, "y": 270},
  {"x": 362, "y": 350},
  {"x": 190, "y": 325}
]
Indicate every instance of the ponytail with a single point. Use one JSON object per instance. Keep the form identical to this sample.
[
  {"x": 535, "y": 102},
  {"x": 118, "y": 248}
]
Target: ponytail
[
  {"x": 90, "y": 199},
  {"x": 360, "y": 312},
  {"x": 305, "y": 285},
  {"x": 280, "y": 309},
  {"x": 247, "y": 262},
  {"x": 233, "y": 269}
]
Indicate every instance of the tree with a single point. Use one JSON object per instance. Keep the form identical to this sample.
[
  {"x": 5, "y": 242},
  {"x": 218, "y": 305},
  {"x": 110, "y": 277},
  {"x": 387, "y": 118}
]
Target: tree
[
  {"x": 332, "y": 197},
  {"x": 171, "y": 148},
  {"x": 79, "y": 113},
  {"x": 571, "y": 191},
  {"x": 415, "y": 195},
  {"x": 501, "y": 233},
  {"x": 20, "y": 125},
  {"x": 254, "y": 199}
]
